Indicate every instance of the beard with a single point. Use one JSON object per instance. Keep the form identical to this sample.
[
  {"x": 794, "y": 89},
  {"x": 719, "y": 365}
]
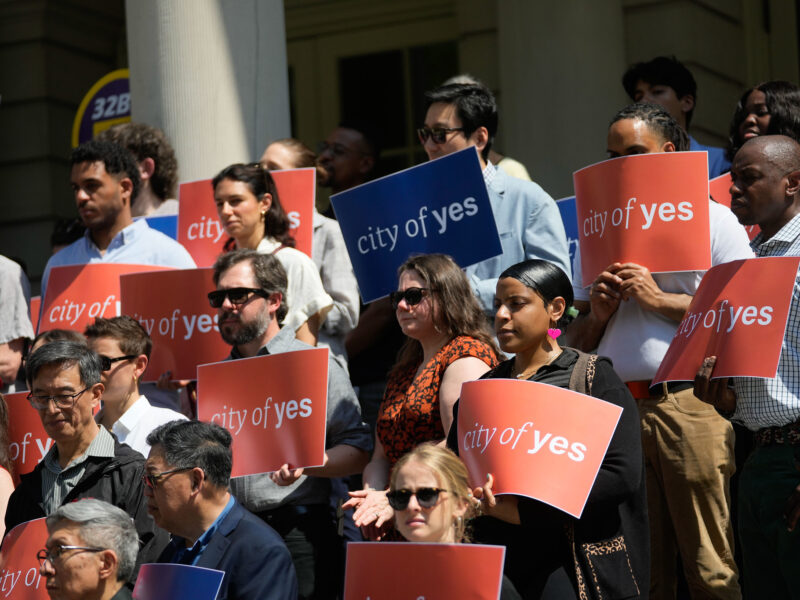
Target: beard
[{"x": 246, "y": 332}]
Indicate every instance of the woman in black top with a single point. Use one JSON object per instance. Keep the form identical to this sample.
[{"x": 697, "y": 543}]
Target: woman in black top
[{"x": 606, "y": 552}]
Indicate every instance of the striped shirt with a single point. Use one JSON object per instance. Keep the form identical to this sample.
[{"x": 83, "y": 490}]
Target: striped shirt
[
  {"x": 58, "y": 482},
  {"x": 775, "y": 402}
]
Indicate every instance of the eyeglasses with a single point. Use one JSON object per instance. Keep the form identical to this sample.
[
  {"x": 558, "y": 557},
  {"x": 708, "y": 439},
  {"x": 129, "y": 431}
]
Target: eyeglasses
[
  {"x": 337, "y": 149},
  {"x": 426, "y": 497},
  {"x": 60, "y": 400},
  {"x": 53, "y": 555},
  {"x": 106, "y": 362},
  {"x": 437, "y": 134},
  {"x": 151, "y": 479},
  {"x": 412, "y": 296},
  {"x": 236, "y": 296}
]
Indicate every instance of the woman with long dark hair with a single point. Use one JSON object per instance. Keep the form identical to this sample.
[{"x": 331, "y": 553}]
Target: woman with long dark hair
[{"x": 251, "y": 213}]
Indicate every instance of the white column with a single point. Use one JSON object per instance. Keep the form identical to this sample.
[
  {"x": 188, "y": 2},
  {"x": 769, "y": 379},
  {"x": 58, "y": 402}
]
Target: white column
[
  {"x": 561, "y": 66},
  {"x": 212, "y": 74}
]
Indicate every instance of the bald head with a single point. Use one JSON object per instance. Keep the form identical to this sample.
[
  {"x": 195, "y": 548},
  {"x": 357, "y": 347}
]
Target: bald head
[{"x": 766, "y": 182}]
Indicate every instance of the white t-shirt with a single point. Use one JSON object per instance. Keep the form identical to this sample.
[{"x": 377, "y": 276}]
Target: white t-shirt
[
  {"x": 138, "y": 421},
  {"x": 305, "y": 295},
  {"x": 635, "y": 339}
]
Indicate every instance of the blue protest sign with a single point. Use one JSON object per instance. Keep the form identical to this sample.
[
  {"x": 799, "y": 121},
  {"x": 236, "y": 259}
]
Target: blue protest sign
[
  {"x": 165, "y": 581},
  {"x": 166, "y": 224},
  {"x": 439, "y": 206},
  {"x": 569, "y": 215}
]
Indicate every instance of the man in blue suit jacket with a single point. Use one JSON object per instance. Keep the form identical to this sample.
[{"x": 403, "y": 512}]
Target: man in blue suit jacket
[
  {"x": 528, "y": 221},
  {"x": 187, "y": 476}
]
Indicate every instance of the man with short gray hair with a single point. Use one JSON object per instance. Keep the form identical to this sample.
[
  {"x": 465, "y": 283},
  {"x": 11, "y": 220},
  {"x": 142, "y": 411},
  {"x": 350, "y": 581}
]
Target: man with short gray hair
[
  {"x": 86, "y": 461},
  {"x": 187, "y": 477},
  {"x": 90, "y": 552}
]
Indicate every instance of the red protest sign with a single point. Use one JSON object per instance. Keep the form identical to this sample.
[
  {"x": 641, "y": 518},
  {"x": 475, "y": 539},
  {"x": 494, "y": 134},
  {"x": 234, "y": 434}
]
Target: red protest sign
[
  {"x": 36, "y": 305},
  {"x": 720, "y": 187},
  {"x": 201, "y": 233},
  {"x": 19, "y": 567},
  {"x": 274, "y": 406},
  {"x": 27, "y": 440},
  {"x": 179, "y": 319},
  {"x": 76, "y": 294},
  {"x": 403, "y": 571},
  {"x": 740, "y": 323},
  {"x": 649, "y": 209},
  {"x": 560, "y": 435}
]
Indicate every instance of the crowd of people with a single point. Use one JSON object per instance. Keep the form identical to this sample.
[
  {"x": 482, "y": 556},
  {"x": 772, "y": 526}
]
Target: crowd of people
[{"x": 132, "y": 476}]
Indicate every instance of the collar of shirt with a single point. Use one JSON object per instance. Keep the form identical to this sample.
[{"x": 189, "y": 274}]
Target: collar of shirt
[
  {"x": 101, "y": 446},
  {"x": 786, "y": 235},
  {"x": 268, "y": 245},
  {"x": 488, "y": 173},
  {"x": 131, "y": 417},
  {"x": 123, "y": 238},
  {"x": 281, "y": 342},
  {"x": 190, "y": 556}
]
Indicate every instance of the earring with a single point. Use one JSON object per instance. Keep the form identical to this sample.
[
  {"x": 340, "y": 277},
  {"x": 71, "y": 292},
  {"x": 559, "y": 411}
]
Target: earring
[{"x": 554, "y": 333}]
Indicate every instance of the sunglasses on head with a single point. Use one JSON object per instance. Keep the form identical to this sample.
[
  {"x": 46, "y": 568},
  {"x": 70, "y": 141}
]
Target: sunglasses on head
[
  {"x": 426, "y": 497},
  {"x": 437, "y": 134},
  {"x": 412, "y": 296},
  {"x": 236, "y": 296}
]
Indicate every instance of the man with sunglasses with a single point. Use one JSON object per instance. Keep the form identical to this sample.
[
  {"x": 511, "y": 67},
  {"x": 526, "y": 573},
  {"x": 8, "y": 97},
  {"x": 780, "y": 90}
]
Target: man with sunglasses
[
  {"x": 250, "y": 294},
  {"x": 462, "y": 115},
  {"x": 90, "y": 552},
  {"x": 187, "y": 477},
  {"x": 85, "y": 460},
  {"x": 124, "y": 348}
]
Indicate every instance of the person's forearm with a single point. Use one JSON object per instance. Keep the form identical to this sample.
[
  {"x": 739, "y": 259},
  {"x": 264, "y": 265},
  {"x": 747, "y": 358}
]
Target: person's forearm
[
  {"x": 672, "y": 306},
  {"x": 585, "y": 332},
  {"x": 342, "y": 460},
  {"x": 376, "y": 474},
  {"x": 10, "y": 360}
]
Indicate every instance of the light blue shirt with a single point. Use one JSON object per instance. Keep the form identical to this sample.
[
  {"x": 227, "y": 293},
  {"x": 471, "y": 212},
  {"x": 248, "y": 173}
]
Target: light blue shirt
[
  {"x": 137, "y": 244},
  {"x": 529, "y": 226},
  {"x": 717, "y": 163}
]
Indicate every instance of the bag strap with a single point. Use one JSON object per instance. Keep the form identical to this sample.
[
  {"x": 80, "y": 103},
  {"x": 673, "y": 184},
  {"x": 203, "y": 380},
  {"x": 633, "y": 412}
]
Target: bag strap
[{"x": 583, "y": 373}]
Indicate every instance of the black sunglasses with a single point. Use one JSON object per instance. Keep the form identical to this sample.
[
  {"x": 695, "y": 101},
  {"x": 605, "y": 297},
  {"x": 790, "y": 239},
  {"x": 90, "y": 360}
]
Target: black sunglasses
[
  {"x": 106, "y": 362},
  {"x": 412, "y": 296},
  {"x": 236, "y": 296},
  {"x": 426, "y": 497},
  {"x": 437, "y": 134}
]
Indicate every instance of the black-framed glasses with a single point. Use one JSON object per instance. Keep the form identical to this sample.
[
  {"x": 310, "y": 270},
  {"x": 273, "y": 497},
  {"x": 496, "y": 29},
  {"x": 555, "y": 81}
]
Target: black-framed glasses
[
  {"x": 427, "y": 497},
  {"x": 236, "y": 296},
  {"x": 151, "y": 479},
  {"x": 437, "y": 134},
  {"x": 55, "y": 553},
  {"x": 412, "y": 296},
  {"x": 61, "y": 400},
  {"x": 106, "y": 362}
]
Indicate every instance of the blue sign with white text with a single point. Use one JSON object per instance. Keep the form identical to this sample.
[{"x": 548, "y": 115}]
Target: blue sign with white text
[
  {"x": 569, "y": 215},
  {"x": 438, "y": 206},
  {"x": 165, "y": 581}
]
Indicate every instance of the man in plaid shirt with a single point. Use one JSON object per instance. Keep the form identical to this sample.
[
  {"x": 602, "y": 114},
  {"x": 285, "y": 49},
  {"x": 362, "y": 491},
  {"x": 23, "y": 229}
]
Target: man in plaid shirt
[{"x": 766, "y": 192}]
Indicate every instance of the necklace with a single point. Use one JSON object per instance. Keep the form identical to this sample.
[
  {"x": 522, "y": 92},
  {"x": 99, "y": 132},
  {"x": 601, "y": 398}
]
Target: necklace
[{"x": 528, "y": 372}]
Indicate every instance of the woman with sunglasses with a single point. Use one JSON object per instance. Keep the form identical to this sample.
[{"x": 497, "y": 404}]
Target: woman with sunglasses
[
  {"x": 251, "y": 213},
  {"x": 610, "y": 541},
  {"x": 448, "y": 342}
]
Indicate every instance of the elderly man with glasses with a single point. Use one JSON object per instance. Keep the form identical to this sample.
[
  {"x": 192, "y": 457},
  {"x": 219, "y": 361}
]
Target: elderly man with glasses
[
  {"x": 90, "y": 552},
  {"x": 86, "y": 461},
  {"x": 187, "y": 477}
]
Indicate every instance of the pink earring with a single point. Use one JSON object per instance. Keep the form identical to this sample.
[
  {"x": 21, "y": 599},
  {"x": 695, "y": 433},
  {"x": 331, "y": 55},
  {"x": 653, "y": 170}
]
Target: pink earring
[{"x": 554, "y": 333}]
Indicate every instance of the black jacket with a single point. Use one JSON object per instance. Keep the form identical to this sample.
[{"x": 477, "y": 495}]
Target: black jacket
[{"x": 116, "y": 480}]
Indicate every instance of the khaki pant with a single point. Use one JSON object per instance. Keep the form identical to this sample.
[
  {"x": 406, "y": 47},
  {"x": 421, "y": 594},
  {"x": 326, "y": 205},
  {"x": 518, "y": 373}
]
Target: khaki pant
[{"x": 689, "y": 461}]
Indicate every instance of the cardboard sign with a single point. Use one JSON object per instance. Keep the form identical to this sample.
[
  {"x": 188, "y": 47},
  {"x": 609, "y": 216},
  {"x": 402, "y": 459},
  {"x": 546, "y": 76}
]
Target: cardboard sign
[
  {"x": 76, "y": 294},
  {"x": 177, "y": 582},
  {"x": 405, "y": 571},
  {"x": 569, "y": 216},
  {"x": 19, "y": 568},
  {"x": 538, "y": 440},
  {"x": 275, "y": 407},
  {"x": 649, "y": 209},
  {"x": 438, "y": 206},
  {"x": 719, "y": 188},
  {"x": 201, "y": 233},
  {"x": 27, "y": 440},
  {"x": 740, "y": 323},
  {"x": 178, "y": 318},
  {"x": 36, "y": 306}
]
